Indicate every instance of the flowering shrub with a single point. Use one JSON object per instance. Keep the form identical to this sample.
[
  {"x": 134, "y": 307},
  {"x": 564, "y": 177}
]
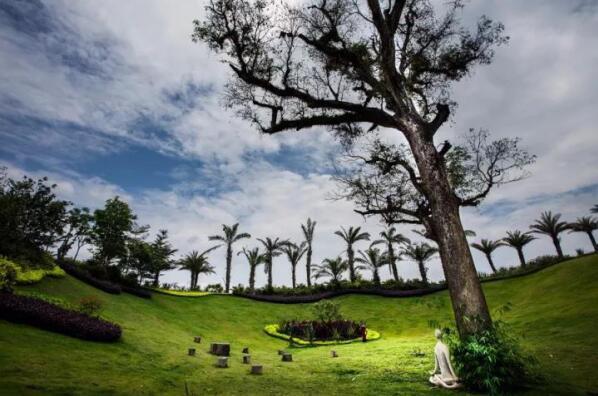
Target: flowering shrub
[
  {"x": 90, "y": 305},
  {"x": 47, "y": 316}
]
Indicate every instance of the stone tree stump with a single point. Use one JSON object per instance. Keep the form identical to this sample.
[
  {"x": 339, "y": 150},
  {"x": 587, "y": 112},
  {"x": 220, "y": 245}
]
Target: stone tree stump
[
  {"x": 191, "y": 352},
  {"x": 197, "y": 339},
  {"x": 246, "y": 350},
  {"x": 220, "y": 348},
  {"x": 333, "y": 354},
  {"x": 280, "y": 352},
  {"x": 222, "y": 362},
  {"x": 246, "y": 359},
  {"x": 256, "y": 369},
  {"x": 287, "y": 357}
]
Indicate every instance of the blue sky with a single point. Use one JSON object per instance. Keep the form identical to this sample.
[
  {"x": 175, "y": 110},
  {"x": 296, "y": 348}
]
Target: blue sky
[{"x": 113, "y": 98}]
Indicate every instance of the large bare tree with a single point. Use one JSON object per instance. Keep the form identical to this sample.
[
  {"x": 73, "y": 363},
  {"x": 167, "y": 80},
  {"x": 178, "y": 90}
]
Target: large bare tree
[{"x": 354, "y": 66}]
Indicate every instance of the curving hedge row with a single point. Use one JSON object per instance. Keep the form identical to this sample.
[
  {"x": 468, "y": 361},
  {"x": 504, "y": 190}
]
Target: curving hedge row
[
  {"x": 329, "y": 294},
  {"x": 29, "y": 277},
  {"x": 85, "y": 277},
  {"x": 272, "y": 330},
  {"x": 137, "y": 291},
  {"x": 48, "y": 316}
]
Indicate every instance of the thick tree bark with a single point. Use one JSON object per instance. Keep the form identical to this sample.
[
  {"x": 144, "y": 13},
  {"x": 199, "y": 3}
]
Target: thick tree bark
[
  {"x": 489, "y": 258},
  {"x": 468, "y": 300},
  {"x": 350, "y": 260},
  {"x": 521, "y": 257},
  {"x": 269, "y": 264},
  {"x": 308, "y": 265},
  {"x": 157, "y": 279},
  {"x": 593, "y": 241},
  {"x": 422, "y": 272},
  {"x": 557, "y": 246},
  {"x": 229, "y": 258},
  {"x": 293, "y": 279}
]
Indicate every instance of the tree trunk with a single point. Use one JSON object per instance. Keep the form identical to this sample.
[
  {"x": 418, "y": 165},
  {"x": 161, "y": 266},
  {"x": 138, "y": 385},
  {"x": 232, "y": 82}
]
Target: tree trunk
[
  {"x": 489, "y": 257},
  {"x": 393, "y": 262},
  {"x": 593, "y": 241},
  {"x": 308, "y": 265},
  {"x": 557, "y": 245},
  {"x": 157, "y": 279},
  {"x": 229, "y": 259},
  {"x": 468, "y": 300},
  {"x": 252, "y": 278},
  {"x": 423, "y": 272},
  {"x": 293, "y": 279},
  {"x": 521, "y": 257},
  {"x": 376, "y": 277},
  {"x": 269, "y": 264},
  {"x": 350, "y": 259}
]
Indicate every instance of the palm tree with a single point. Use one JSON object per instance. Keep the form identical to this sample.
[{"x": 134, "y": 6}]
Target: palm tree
[
  {"x": 488, "y": 246},
  {"x": 308, "y": 234},
  {"x": 550, "y": 225},
  {"x": 351, "y": 236},
  {"x": 197, "y": 263},
  {"x": 332, "y": 268},
  {"x": 230, "y": 236},
  {"x": 588, "y": 225},
  {"x": 420, "y": 253},
  {"x": 372, "y": 260},
  {"x": 254, "y": 258},
  {"x": 391, "y": 237},
  {"x": 273, "y": 248},
  {"x": 517, "y": 240},
  {"x": 294, "y": 253}
]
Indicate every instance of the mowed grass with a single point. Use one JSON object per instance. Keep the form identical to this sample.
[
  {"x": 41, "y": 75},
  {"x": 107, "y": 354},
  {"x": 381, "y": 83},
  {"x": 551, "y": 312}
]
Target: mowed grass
[{"x": 555, "y": 312}]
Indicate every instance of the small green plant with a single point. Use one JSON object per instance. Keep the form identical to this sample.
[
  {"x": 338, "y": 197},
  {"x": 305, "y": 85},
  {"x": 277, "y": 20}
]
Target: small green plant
[
  {"x": 8, "y": 274},
  {"x": 327, "y": 311},
  {"x": 90, "y": 305},
  {"x": 490, "y": 361}
]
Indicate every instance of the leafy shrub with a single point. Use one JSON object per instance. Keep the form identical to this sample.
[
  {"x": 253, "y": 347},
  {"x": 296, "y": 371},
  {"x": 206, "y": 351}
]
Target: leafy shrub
[
  {"x": 8, "y": 274},
  {"x": 315, "y": 330},
  {"x": 491, "y": 361},
  {"x": 84, "y": 276},
  {"x": 90, "y": 305},
  {"x": 48, "y": 316},
  {"x": 273, "y": 330},
  {"x": 579, "y": 252},
  {"x": 136, "y": 291},
  {"x": 49, "y": 299},
  {"x": 215, "y": 288},
  {"x": 31, "y": 276},
  {"x": 327, "y": 311}
]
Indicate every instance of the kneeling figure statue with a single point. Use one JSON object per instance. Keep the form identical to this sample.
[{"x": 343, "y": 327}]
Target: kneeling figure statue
[{"x": 443, "y": 374}]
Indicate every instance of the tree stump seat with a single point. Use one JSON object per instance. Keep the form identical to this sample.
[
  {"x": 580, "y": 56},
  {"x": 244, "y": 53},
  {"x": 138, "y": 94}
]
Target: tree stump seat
[
  {"x": 256, "y": 369},
  {"x": 191, "y": 352},
  {"x": 246, "y": 359},
  {"x": 220, "y": 348},
  {"x": 287, "y": 357},
  {"x": 222, "y": 362}
]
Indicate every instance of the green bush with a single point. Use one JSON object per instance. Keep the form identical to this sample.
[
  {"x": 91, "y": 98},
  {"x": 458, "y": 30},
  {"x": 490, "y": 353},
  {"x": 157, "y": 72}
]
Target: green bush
[
  {"x": 8, "y": 274},
  {"x": 49, "y": 299},
  {"x": 90, "y": 305},
  {"x": 327, "y": 310},
  {"x": 28, "y": 277},
  {"x": 491, "y": 361}
]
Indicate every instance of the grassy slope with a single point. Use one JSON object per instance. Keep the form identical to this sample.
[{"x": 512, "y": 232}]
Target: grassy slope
[{"x": 556, "y": 312}]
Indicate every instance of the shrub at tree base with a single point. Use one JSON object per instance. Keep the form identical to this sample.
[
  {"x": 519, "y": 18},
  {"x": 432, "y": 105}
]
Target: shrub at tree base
[
  {"x": 8, "y": 274},
  {"x": 85, "y": 277},
  {"x": 47, "y": 316},
  {"x": 273, "y": 330},
  {"x": 491, "y": 361}
]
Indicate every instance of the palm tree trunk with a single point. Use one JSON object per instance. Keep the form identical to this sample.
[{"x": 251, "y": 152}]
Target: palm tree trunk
[
  {"x": 376, "y": 277},
  {"x": 252, "y": 278},
  {"x": 557, "y": 245},
  {"x": 423, "y": 272},
  {"x": 269, "y": 263},
  {"x": 293, "y": 276},
  {"x": 521, "y": 257},
  {"x": 489, "y": 257},
  {"x": 308, "y": 265},
  {"x": 467, "y": 297},
  {"x": 350, "y": 259},
  {"x": 229, "y": 258},
  {"x": 593, "y": 241},
  {"x": 393, "y": 262}
]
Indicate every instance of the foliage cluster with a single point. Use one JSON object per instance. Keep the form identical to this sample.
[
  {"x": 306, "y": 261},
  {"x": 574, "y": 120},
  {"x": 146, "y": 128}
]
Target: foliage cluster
[
  {"x": 8, "y": 274},
  {"x": 30, "y": 276},
  {"x": 90, "y": 305},
  {"x": 70, "y": 267},
  {"x": 48, "y": 316},
  {"x": 316, "y": 330}
]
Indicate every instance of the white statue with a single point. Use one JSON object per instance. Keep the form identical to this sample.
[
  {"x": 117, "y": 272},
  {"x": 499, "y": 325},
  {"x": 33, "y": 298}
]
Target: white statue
[{"x": 443, "y": 374}]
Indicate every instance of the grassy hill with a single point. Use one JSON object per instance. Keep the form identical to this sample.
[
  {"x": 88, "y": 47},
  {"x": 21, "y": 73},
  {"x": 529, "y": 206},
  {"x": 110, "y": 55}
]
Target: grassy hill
[{"x": 555, "y": 312}]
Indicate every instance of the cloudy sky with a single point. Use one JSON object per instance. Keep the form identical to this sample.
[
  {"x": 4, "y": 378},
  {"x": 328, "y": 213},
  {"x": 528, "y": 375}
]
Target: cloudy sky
[{"x": 112, "y": 98}]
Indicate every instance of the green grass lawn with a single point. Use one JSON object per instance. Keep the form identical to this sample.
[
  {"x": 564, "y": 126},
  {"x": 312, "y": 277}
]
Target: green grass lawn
[{"x": 555, "y": 312}]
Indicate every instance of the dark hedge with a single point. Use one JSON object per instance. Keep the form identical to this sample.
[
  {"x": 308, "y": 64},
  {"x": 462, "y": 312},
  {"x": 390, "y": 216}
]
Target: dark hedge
[
  {"x": 47, "y": 316},
  {"x": 136, "y": 291},
  {"x": 84, "y": 276},
  {"x": 316, "y": 330}
]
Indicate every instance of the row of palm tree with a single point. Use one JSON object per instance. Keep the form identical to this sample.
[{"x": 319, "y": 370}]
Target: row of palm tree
[
  {"x": 396, "y": 246},
  {"x": 548, "y": 224}
]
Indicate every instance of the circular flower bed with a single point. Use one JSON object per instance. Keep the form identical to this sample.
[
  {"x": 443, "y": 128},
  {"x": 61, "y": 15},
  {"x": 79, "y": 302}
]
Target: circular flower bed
[{"x": 274, "y": 331}]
